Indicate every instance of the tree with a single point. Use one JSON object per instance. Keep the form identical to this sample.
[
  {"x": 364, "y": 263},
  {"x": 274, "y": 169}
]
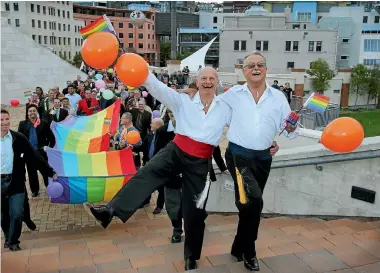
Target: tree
[
  {"x": 359, "y": 80},
  {"x": 374, "y": 85},
  {"x": 322, "y": 74},
  {"x": 165, "y": 51},
  {"x": 77, "y": 60}
]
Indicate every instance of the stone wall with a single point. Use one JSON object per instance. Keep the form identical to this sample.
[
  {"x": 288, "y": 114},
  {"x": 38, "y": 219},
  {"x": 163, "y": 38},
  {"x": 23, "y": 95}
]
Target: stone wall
[{"x": 308, "y": 190}]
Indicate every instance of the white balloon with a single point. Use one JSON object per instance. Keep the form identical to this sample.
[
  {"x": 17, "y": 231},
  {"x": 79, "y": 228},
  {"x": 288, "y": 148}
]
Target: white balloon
[{"x": 137, "y": 18}]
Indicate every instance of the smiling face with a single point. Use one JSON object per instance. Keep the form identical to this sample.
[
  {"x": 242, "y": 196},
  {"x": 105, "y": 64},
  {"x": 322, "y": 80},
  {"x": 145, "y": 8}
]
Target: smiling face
[
  {"x": 254, "y": 69},
  {"x": 32, "y": 113},
  {"x": 57, "y": 103},
  {"x": 207, "y": 80}
]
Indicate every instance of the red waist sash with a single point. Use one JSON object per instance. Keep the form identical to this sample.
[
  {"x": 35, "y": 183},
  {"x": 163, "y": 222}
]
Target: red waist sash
[{"x": 193, "y": 147}]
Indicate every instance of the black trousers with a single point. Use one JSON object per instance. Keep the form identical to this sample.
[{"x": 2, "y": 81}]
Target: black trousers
[
  {"x": 254, "y": 168},
  {"x": 33, "y": 176},
  {"x": 173, "y": 203},
  {"x": 217, "y": 155},
  {"x": 157, "y": 172}
]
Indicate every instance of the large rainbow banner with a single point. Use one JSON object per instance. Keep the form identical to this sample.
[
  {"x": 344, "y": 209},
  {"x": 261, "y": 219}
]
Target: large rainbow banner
[
  {"x": 87, "y": 134},
  {"x": 91, "y": 178}
]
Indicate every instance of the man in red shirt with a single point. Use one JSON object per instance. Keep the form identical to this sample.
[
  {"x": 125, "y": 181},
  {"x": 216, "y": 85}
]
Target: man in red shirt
[{"x": 88, "y": 106}]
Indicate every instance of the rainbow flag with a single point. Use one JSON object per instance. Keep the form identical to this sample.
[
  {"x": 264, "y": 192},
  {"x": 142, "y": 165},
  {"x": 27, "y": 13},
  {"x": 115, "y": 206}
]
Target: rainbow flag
[
  {"x": 90, "y": 178},
  {"x": 28, "y": 94},
  {"x": 317, "y": 103},
  {"x": 87, "y": 134},
  {"x": 100, "y": 24},
  {"x": 110, "y": 84}
]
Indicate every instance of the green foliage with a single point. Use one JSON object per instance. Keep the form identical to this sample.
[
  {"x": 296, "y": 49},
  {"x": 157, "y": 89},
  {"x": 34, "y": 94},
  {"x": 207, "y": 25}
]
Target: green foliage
[
  {"x": 322, "y": 74},
  {"x": 77, "y": 60},
  {"x": 360, "y": 80},
  {"x": 374, "y": 84},
  {"x": 165, "y": 50},
  {"x": 370, "y": 120}
]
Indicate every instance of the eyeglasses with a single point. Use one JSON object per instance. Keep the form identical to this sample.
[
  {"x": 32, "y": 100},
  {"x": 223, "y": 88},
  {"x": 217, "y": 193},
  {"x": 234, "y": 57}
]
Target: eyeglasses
[{"x": 253, "y": 65}]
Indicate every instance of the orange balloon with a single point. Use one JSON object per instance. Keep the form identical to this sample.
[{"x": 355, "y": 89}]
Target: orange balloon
[
  {"x": 133, "y": 137},
  {"x": 100, "y": 50},
  {"x": 132, "y": 69},
  {"x": 343, "y": 135}
]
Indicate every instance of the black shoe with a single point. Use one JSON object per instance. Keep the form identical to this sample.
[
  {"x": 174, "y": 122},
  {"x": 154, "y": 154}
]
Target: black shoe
[
  {"x": 102, "y": 214},
  {"x": 176, "y": 239},
  {"x": 30, "y": 224},
  {"x": 15, "y": 248},
  {"x": 252, "y": 264},
  {"x": 6, "y": 245},
  {"x": 238, "y": 256},
  {"x": 157, "y": 210},
  {"x": 35, "y": 194},
  {"x": 190, "y": 264}
]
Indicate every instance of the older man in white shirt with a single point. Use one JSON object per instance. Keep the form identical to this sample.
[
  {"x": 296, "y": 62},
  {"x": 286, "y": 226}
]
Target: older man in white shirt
[
  {"x": 259, "y": 113},
  {"x": 199, "y": 126}
]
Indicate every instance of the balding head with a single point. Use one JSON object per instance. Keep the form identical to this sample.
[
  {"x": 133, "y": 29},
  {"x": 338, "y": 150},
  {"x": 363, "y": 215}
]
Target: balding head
[
  {"x": 126, "y": 118},
  {"x": 207, "y": 81},
  {"x": 156, "y": 123}
]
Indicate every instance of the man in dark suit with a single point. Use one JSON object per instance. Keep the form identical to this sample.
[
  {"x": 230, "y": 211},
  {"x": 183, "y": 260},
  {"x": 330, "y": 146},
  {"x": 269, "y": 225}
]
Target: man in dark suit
[
  {"x": 38, "y": 132},
  {"x": 15, "y": 152},
  {"x": 141, "y": 119},
  {"x": 57, "y": 113}
]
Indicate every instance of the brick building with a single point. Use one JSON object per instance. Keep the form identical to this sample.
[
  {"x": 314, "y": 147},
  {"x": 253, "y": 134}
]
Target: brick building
[{"x": 143, "y": 38}]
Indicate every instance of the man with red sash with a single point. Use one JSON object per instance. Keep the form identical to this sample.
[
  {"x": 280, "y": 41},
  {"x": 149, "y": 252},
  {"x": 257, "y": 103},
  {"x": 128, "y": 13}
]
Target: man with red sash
[{"x": 200, "y": 122}]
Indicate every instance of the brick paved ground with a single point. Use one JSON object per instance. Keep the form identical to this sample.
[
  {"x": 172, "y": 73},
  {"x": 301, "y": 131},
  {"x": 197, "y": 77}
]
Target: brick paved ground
[{"x": 69, "y": 241}]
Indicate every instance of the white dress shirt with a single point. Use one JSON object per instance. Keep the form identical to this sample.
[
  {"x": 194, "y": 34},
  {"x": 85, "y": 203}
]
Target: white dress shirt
[
  {"x": 254, "y": 126},
  {"x": 191, "y": 120},
  {"x": 7, "y": 154}
]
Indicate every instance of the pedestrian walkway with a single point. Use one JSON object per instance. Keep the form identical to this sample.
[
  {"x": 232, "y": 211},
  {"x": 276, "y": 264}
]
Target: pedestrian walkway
[{"x": 142, "y": 245}]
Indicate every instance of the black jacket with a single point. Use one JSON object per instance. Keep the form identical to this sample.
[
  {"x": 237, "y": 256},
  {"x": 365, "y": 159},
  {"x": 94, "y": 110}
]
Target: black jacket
[
  {"x": 63, "y": 113},
  {"x": 44, "y": 134},
  {"x": 24, "y": 153},
  {"x": 146, "y": 120},
  {"x": 163, "y": 137}
]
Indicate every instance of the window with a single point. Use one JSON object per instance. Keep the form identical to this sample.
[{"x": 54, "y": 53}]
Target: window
[
  {"x": 15, "y": 6},
  {"x": 68, "y": 14},
  {"x": 290, "y": 65},
  {"x": 365, "y": 19},
  {"x": 141, "y": 36},
  {"x": 153, "y": 36},
  {"x": 59, "y": 40},
  {"x": 148, "y": 46},
  {"x": 148, "y": 36},
  {"x": 345, "y": 41},
  {"x": 262, "y": 45},
  {"x": 371, "y": 45},
  {"x": 152, "y": 27},
  {"x": 141, "y": 27},
  {"x": 33, "y": 23},
  {"x": 64, "y": 40},
  {"x": 32, "y": 7},
  {"x": 295, "y": 45},
  {"x": 39, "y": 23},
  {"x": 59, "y": 12},
  {"x": 311, "y": 45},
  {"x": 215, "y": 20},
  {"x": 64, "y": 54},
  {"x": 141, "y": 45},
  {"x": 288, "y": 45},
  {"x": 63, "y": 14},
  {"x": 69, "y": 55},
  {"x": 34, "y": 37},
  {"x": 240, "y": 45},
  {"x": 336, "y": 91},
  {"x": 9, "y": 22},
  {"x": 39, "y": 39},
  {"x": 45, "y": 25},
  {"x": 43, "y": 9},
  {"x": 371, "y": 61},
  {"x": 319, "y": 46},
  {"x": 68, "y": 27},
  {"x": 45, "y": 40},
  {"x": 152, "y": 46},
  {"x": 303, "y": 16},
  {"x": 130, "y": 25},
  {"x": 121, "y": 35},
  {"x": 148, "y": 26},
  {"x": 377, "y": 19},
  {"x": 344, "y": 57},
  {"x": 68, "y": 41},
  {"x": 64, "y": 27},
  {"x": 17, "y": 21},
  {"x": 59, "y": 26},
  {"x": 130, "y": 35},
  {"x": 130, "y": 45},
  {"x": 311, "y": 65},
  {"x": 38, "y": 9},
  {"x": 296, "y": 26},
  {"x": 7, "y": 7}
]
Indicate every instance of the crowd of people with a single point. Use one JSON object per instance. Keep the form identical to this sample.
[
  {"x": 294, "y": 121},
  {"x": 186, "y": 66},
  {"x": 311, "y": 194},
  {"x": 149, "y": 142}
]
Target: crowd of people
[{"x": 177, "y": 149}]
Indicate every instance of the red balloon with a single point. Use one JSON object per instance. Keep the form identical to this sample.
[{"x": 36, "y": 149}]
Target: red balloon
[
  {"x": 132, "y": 69},
  {"x": 15, "y": 102},
  {"x": 343, "y": 135},
  {"x": 100, "y": 50}
]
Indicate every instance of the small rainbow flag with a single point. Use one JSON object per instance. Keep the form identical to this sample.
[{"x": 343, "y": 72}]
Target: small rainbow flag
[
  {"x": 28, "y": 94},
  {"x": 317, "y": 103},
  {"x": 90, "y": 178},
  {"x": 100, "y": 24},
  {"x": 110, "y": 84}
]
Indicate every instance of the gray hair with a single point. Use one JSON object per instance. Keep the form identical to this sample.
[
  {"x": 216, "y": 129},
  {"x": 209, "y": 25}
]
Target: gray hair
[
  {"x": 127, "y": 115},
  {"x": 207, "y": 67},
  {"x": 257, "y": 53},
  {"x": 158, "y": 121}
]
